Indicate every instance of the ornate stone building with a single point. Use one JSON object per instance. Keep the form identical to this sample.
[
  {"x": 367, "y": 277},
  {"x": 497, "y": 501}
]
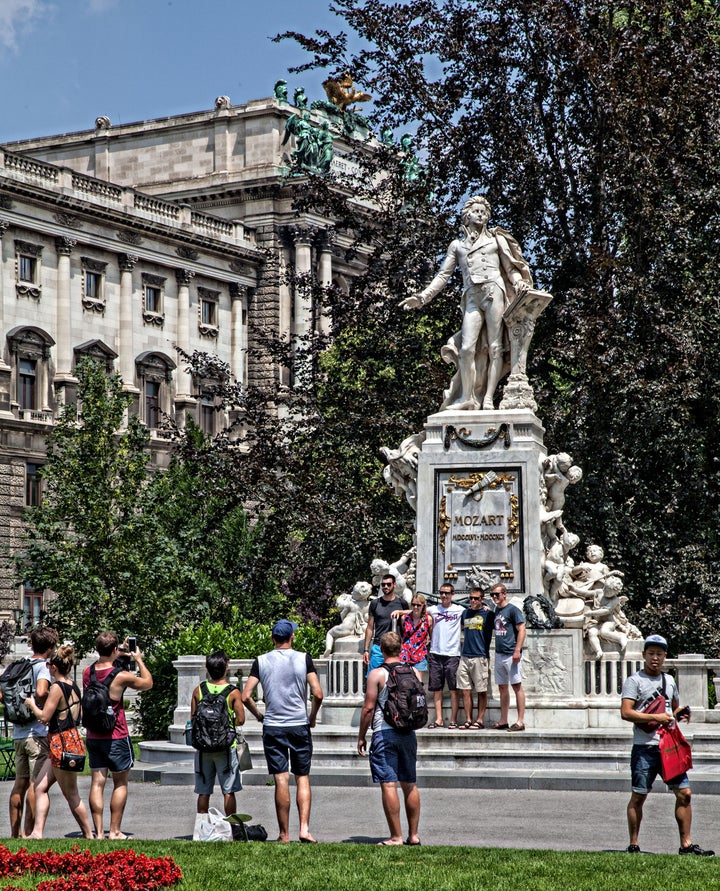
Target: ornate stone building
[{"x": 125, "y": 242}]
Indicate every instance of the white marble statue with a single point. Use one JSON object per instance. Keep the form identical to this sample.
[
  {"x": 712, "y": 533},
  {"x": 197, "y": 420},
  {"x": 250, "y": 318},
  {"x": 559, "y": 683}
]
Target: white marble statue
[
  {"x": 557, "y": 472},
  {"x": 557, "y": 566},
  {"x": 606, "y": 621},
  {"x": 587, "y": 579},
  {"x": 353, "y": 615},
  {"x": 398, "y": 570},
  {"x": 494, "y": 272},
  {"x": 402, "y": 464}
]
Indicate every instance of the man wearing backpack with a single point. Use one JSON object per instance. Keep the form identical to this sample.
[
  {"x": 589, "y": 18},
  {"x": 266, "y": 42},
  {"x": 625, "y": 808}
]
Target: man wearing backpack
[
  {"x": 393, "y": 753},
  {"x": 30, "y": 739},
  {"x": 214, "y": 739},
  {"x": 110, "y": 749},
  {"x": 285, "y": 675}
]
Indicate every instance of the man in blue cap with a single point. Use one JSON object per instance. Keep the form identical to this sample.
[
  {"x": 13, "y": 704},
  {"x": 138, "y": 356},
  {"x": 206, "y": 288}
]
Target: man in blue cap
[
  {"x": 638, "y": 692},
  {"x": 285, "y": 675}
]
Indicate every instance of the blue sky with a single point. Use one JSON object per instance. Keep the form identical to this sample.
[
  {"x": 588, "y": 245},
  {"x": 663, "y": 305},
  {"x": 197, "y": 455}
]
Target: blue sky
[{"x": 64, "y": 62}]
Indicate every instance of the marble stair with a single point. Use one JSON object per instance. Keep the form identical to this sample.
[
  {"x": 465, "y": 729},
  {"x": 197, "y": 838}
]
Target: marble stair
[{"x": 590, "y": 759}]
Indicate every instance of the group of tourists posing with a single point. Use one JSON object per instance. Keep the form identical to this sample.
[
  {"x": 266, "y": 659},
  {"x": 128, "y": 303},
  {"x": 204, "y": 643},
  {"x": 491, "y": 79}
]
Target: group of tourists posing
[
  {"x": 429, "y": 640},
  {"x": 48, "y": 745}
]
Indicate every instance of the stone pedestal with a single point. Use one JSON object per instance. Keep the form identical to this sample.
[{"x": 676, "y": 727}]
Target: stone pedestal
[
  {"x": 345, "y": 690},
  {"x": 478, "y": 500}
]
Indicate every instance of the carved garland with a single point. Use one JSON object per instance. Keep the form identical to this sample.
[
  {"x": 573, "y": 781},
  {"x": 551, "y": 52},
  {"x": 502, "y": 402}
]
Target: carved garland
[{"x": 463, "y": 435}]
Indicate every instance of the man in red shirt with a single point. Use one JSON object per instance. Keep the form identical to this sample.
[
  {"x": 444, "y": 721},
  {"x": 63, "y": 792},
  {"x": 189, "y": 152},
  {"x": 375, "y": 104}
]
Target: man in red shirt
[{"x": 113, "y": 751}]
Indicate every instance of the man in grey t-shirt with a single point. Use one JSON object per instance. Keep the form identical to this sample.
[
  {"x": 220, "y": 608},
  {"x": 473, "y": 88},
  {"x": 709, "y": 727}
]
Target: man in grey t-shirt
[
  {"x": 637, "y": 692},
  {"x": 285, "y": 675}
]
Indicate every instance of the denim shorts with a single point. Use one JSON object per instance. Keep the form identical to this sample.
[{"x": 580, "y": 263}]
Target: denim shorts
[
  {"x": 288, "y": 746},
  {"x": 645, "y": 766},
  {"x": 393, "y": 756}
]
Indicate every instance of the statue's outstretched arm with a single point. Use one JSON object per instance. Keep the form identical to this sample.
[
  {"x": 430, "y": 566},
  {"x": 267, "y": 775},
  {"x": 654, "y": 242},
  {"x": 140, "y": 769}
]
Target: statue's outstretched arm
[{"x": 449, "y": 265}]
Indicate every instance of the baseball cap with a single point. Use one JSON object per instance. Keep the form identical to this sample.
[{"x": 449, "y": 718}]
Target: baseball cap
[
  {"x": 283, "y": 628},
  {"x": 655, "y": 640}
]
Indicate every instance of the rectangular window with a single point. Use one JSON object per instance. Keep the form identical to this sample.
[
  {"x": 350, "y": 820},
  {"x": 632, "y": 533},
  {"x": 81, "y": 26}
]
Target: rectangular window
[
  {"x": 153, "y": 297},
  {"x": 208, "y": 312},
  {"x": 27, "y": 373},
  {"x": 93, "y": 285},
  {"x": 33, "y": 485},
  {"x": 152, "y": 404},
  {"x": 32, "y": 606},
  {"x": 207, "y": 415},
  {"x": 27, "y": 268}
]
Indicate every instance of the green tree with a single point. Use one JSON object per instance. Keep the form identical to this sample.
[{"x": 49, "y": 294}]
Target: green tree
[
  {"x": 128, "y": 548},
  {"x": 594, "y": 129}
]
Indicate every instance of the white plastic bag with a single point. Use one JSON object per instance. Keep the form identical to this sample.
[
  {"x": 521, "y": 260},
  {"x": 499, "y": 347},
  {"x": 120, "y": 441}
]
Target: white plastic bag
[{"x": 212, "y": 827}]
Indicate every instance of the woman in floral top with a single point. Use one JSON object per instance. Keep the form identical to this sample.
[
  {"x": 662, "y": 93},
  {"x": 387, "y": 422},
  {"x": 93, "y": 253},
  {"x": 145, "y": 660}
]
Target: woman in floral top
[{"x": 416, "y": 627}]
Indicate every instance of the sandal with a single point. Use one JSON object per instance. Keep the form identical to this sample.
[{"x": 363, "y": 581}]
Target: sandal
[
  {"x": 477, "y": 725},
  {"x": 467, "y": 725},
  {"x": 435, "y": 725},
  {"x": 516, "y": 727},
  {"x": 498, "y": 726},
  {"x": 452, "y": 726}
]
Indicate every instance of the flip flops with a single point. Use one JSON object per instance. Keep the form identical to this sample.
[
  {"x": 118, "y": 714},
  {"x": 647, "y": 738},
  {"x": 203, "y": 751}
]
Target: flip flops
[
  {"x": 515, "y": 727},
  {"x": 435, "y": 725}
]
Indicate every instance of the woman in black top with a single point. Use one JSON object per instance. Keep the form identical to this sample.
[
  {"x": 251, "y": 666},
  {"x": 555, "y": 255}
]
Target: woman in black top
[{"x": 61, "y": 713}]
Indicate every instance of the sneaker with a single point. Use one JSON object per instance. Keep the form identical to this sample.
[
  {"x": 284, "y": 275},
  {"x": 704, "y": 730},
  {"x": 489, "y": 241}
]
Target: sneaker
[
  {"x": 633, "y": 849},
  {"x": 697, "y": 850}
]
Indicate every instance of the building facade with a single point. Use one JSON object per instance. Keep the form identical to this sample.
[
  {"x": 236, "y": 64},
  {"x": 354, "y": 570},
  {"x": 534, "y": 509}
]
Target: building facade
[{"x": 126, "y": 243}]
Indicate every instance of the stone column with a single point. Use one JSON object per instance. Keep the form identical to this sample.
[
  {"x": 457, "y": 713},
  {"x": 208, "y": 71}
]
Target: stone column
[
  {"x": 184, "y": 382},
  {"x": 303, "y": 269},
  {"x": 238, "y": 332},
  {"x": 4, "y": 225},
  {"x": 325, "y": 243},
  {"x": 63, "y": 321},
  {"x": 125, "y": 335}
]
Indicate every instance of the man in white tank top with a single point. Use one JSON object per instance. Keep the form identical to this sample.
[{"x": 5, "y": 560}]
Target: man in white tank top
[{"x": 285, "y": 675}]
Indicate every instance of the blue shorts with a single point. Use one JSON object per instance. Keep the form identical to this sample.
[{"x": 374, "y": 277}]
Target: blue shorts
[
  {"x": 288, "y": 744},
  {"x": 115, "y": 755},
  {"x": 223, "y": 765},
  {"x": 393, "y": 756},
  {"x": 645, "y": 766}
]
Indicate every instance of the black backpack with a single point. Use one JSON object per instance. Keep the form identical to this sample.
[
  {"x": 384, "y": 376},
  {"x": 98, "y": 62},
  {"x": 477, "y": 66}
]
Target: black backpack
[
  {"x": 17, "y": 682},
  {"x": 211, "y": 727},
  {"x": 98, "y": 714},
  {"x": 406, "y": 705}
]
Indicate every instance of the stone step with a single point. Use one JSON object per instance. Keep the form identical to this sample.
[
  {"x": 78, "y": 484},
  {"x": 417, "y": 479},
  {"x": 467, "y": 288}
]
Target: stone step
[
  {"x": 593, "y": 759},
  {"x": 706, "y": 782}
]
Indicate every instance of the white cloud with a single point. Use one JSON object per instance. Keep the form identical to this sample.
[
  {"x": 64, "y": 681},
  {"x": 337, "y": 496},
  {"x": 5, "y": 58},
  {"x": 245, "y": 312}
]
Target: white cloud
[{"x": 17, "y": 16}]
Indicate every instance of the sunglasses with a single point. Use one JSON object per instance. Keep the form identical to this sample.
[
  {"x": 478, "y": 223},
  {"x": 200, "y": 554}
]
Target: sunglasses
[{"x": 474, "y": 598}]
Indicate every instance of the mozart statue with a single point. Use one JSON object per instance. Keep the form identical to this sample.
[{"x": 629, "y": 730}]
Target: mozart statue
[{"x": 494, "y": 274}]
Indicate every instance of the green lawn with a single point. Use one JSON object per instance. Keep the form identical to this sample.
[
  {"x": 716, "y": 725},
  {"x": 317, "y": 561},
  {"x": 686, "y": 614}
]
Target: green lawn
[{"x": 234, "y": 866}]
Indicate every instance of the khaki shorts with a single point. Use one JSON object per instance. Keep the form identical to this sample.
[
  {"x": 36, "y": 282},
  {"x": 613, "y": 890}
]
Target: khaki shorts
[
  {"x": 472, "y": 674},
  {"x": 30, "y": 755}
]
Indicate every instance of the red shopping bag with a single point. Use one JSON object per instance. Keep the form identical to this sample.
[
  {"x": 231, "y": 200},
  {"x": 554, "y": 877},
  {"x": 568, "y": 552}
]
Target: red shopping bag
[{"x": 675, "y": 752}]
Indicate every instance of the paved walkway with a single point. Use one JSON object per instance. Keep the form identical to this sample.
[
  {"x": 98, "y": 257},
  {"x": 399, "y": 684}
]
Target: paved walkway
[{"x": 593, "y": 821}]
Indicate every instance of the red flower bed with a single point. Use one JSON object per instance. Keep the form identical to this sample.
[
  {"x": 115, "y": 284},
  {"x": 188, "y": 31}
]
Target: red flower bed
[{"x": 120, "y": 870}]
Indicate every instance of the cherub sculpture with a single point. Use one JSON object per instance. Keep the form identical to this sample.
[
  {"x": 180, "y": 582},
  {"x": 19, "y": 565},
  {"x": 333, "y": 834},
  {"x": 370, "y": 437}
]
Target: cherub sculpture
[{"x": 353, "y": 615}]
